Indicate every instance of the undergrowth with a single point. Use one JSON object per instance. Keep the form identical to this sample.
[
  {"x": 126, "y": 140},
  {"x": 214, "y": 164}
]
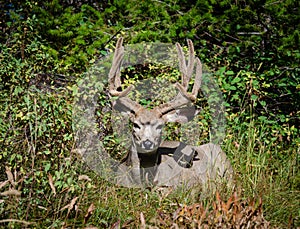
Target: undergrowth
[
  {"x": 68, "y": 194},
  {"x": 252, "y": 49}
]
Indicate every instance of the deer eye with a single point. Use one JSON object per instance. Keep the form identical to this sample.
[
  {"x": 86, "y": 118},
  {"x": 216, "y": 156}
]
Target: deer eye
[{"x": 136, "y": 126}]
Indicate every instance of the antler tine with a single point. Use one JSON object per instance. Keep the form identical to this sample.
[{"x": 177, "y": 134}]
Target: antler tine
[
  {"x": 114, "y": 80},
  {"x": 198, "y": 78},
  {"x": 182, "y": 63},
  {"x": 123, "y": 103},
  {"x": 119, "y": 46},
  {"x": 186, "y": 70},
  {"x": 193, "y": 96},
  {"x": 116, "y": 64},
  {"x": 191, "y": 61},
  {"x": 184, "y": 97}
]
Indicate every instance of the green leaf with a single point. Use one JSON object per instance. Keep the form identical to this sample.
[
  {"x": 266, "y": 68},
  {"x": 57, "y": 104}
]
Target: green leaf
[
  {"x": 235, "y": 80},
  {"x": 254, "y": 97},
  {"x": 229, "y": 73}
]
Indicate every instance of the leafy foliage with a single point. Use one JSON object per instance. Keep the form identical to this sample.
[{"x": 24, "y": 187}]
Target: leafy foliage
[{"x": 252, "y": 48}]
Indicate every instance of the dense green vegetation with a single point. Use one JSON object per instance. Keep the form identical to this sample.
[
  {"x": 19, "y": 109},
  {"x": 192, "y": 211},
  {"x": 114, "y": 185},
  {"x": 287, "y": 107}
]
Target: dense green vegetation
[{"x": 252, "y": 48}]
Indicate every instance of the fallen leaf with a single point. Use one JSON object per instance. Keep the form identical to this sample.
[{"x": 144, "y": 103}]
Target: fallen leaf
[
  {"x": 2, "y": 184},
  {"x": 70, "y": 205},
  {"x": 84, "y": 177},
  {"x": 10, "y": 176},
  {"x": 116, "y": 225},
  {"x": 50, "y": 178},
  {"x": 11, "y": 192},
  {"x": 89, "y": 212},
  {"x": 143, "y": 222}
]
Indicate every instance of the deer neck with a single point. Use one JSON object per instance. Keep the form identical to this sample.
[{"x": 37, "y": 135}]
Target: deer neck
[
  {"x": 149, "y": 160},
  {"x": 148, "y": 166}
]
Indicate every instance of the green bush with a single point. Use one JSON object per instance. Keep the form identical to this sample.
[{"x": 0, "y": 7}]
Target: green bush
[{"x": 252, "y": 48}]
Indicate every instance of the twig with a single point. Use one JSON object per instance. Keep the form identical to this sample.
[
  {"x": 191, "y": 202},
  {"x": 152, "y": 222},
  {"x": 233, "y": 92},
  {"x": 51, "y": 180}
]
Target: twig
[
  {"x": 249, "y": 33},
  {"x": 16, "y": 221},
  {"x": 111, "y": 38}
]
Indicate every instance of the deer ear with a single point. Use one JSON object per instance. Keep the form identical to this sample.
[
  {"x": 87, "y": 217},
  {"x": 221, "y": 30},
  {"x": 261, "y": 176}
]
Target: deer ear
[{"x": 181, "y": 115}]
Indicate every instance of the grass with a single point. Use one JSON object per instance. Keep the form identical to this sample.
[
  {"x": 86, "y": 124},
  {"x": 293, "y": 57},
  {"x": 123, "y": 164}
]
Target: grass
[
  {"x": 45, "y": 184},
  {"x": 270, "y": 171},
  {"x": 72, "y": 196}
]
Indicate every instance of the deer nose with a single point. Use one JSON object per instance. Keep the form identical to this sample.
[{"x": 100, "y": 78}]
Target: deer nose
[{"x": 147, "y": 144}]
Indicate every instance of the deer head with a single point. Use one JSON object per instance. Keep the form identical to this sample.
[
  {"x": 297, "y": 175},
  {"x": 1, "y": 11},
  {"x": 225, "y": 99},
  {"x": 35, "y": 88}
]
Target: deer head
[{"x": 148, "y": 124}]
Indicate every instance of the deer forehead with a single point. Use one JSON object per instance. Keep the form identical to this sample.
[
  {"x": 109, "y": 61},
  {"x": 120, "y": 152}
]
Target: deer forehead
[{"x": 148, "y": 117}]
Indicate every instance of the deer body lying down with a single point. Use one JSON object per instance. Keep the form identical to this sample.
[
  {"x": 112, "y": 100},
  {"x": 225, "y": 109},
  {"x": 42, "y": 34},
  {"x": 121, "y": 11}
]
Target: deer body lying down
[
  {"x": 208, "y": 167},
  {"x": 151, "y": 161}
]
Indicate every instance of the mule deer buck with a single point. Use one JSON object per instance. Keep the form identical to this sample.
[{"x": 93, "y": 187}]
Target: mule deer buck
[{"x": 150, "y": 160}]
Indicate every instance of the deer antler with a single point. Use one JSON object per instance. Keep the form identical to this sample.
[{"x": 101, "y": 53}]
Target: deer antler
[
  {"x": 184, "y": 97},
  {"x": 114, "y": 82}
]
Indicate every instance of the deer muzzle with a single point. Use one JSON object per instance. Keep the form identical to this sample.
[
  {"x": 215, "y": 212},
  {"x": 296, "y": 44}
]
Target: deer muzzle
[{"x": 147, "y": 145}]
